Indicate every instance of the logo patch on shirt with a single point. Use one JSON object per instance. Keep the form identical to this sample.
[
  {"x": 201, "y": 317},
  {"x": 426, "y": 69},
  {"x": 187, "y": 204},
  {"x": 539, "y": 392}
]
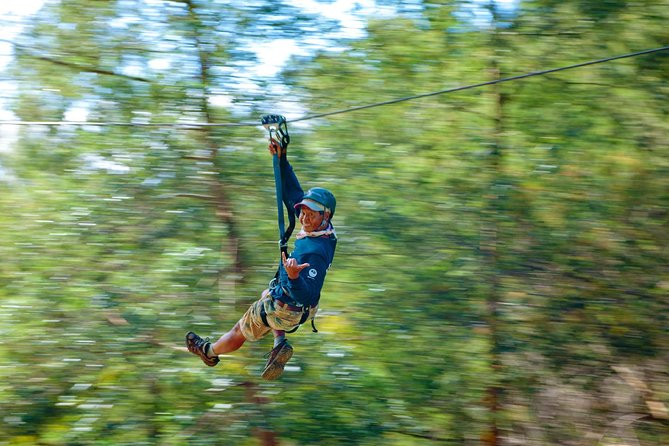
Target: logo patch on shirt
[{"x": 313, "y": 273}]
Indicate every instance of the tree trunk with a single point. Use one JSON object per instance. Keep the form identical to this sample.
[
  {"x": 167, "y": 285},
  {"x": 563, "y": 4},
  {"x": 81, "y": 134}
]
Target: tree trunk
[
  {"x": 490, "y": 249},
  {"x": 265, "y": 436},
  {"x": 228, "y": 277}
]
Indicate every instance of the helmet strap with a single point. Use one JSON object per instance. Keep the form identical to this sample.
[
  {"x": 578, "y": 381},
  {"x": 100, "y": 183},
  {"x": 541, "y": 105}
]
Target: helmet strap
[{"x": 326, "y": 221}]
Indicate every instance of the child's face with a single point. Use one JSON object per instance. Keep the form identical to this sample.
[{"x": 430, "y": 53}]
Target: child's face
[{"x": 310, "y": 220}]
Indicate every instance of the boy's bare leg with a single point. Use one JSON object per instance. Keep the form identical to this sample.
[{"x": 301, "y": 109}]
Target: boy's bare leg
[
  {"x": 279, "y": 336},
  {"x": 229, "y": 342}
]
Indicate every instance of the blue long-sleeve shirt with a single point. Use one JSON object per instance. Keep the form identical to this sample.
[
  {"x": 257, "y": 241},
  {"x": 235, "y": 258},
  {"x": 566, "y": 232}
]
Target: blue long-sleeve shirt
[{"x": 318, "y": 252}]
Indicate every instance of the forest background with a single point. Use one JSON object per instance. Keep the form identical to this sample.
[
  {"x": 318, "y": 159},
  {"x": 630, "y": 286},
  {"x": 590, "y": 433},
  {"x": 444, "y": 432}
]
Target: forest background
[{"x": 502, "y": 274}]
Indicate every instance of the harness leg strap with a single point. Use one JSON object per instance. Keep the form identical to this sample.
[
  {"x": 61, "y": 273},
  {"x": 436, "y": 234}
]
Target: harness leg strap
[
  {"x": 263, "y": 316},
  {"x": 303, "y": 319}
]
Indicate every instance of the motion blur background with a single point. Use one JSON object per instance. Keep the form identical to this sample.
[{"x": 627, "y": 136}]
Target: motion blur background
[{"x": 502, "y": 274}]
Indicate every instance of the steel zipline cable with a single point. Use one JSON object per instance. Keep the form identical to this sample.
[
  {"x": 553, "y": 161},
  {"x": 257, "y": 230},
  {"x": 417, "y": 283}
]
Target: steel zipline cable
[{"x": 197, "y": 125}]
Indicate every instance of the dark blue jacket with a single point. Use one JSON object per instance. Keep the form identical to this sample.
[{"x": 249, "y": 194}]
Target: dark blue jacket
[{"x": 318, "y": 252}]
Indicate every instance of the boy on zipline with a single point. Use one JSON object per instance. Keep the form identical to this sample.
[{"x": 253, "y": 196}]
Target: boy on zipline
[{"x": 293, "y": 295}]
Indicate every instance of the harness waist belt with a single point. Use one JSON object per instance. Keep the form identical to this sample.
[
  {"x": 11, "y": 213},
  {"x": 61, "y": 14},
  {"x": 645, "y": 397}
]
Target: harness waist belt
[{"x": 290, "y": 307}]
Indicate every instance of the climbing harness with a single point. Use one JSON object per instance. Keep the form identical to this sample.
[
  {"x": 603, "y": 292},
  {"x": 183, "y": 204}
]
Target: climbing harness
[{"x": 306, "y": 311}]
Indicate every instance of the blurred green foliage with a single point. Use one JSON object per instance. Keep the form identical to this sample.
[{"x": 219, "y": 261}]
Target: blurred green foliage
[{"x": 501, "y": 276}]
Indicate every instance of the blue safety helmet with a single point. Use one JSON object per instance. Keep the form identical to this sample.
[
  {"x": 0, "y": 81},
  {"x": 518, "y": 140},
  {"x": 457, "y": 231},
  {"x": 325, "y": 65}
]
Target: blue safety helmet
[{"x": 319, "y": 199}]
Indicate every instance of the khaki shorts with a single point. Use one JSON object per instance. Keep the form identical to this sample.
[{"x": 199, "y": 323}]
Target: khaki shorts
[{"x": 279, "y": 318}]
